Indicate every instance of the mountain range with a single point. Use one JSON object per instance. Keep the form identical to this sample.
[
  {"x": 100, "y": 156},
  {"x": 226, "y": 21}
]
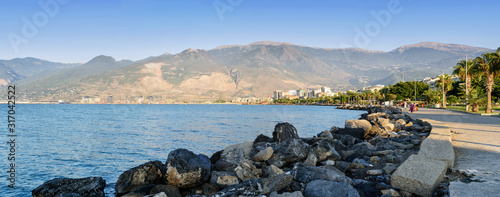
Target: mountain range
[{"x": 226, "y": 72}]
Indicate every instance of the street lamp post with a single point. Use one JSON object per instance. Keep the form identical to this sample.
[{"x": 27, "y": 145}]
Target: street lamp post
[{"x": 466, "y": 79}]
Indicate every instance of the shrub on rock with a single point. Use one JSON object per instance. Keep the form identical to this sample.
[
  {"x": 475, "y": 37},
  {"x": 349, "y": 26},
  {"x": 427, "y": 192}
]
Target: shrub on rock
[{"x": 186, "y": 169}]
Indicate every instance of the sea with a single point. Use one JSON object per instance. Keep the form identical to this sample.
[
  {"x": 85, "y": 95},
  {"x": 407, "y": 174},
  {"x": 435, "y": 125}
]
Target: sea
[{"x": 77, "y": 141}]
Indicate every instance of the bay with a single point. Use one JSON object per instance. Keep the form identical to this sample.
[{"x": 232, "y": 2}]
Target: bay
[{"x": 76, "y": 141}]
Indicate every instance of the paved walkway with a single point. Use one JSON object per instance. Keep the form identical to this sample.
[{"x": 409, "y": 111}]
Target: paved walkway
[{"x": 476, "y": 141}]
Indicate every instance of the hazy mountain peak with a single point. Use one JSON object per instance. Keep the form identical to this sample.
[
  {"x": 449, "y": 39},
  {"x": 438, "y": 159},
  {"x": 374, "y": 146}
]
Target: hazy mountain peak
[
  {"x": 272, "y": 43},
  {"x": 102, "y": 58},
  {"x": 439, "y": 46}
]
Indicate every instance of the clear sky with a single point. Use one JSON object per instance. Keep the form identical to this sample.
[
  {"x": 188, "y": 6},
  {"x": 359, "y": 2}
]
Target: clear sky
[{"x": 78, "y": 30}]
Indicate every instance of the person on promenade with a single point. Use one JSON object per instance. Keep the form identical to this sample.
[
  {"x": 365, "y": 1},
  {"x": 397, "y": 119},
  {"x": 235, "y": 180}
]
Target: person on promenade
[
  {"x": 412, "y": 107},
  {"x": 405, "y": 104}
]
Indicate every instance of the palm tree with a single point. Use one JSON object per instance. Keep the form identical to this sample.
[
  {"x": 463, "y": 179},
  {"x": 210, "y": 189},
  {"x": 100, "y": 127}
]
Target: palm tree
[
  {"x": 465, "y": 73},
  {"x": 476, "y": 99},
  {"x": 445, "y": 82},
  {"x": 489, "y": 65}
]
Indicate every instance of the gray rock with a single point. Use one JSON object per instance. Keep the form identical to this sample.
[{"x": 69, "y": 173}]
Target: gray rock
[
  {"x": 276, "y": 183},
  {"x": 161, "y": 194},
  {"x": 66, "y": 187},
  {"x": 306, "y": 174},
  {"x": 322, "y": 188},
  {"x": 232, "y": 156},
  {"x": 334, "y": 129},
  {"x": 326, "y": 134},
  {"x": 286, "y": 194},
  {"x": 246, "y": 171},
  {"x": 246, "y": 188},
  {"x": 292, "y": 150},
  {"x": 186, "y": 169},
  {"x": 325, "y": 149},
  {"x": 146, "y": 174},
  {"x": 224, "y": 179},
  {"x": 264, "y": 155},
  {"x": 375, "y": 160},
  {"x": 284, "y": 131},
  {"x": 311, "y": 159},
  {"x": 355, "y": 124}
]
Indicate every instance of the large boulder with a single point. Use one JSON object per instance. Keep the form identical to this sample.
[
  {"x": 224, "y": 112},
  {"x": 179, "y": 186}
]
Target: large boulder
[
  {"x": 284, "y": 131},
  {"x": 292, "y": 150},
  {"x": 168, "y": 190},
  {"x": 146, "y": 174},
  {"x": 360, "y": 123},
  {"x": 90, "y": 186},
  {"x": 322, "y": 188},
  {"x": 232, "y": 156},
  {"x": 186, "y": 169},
  {"x": 306, "y": 174}
]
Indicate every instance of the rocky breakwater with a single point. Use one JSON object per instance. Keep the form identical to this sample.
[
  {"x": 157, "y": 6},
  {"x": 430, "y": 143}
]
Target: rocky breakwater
[{"x": 357, "y": 160}]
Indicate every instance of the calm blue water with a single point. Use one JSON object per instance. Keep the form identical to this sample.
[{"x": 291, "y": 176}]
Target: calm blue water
[{"x": 78, "y": 141}]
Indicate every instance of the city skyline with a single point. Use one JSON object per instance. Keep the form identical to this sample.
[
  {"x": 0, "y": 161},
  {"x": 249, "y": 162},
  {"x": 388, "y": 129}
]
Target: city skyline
[{"x": 76, "y": 31}]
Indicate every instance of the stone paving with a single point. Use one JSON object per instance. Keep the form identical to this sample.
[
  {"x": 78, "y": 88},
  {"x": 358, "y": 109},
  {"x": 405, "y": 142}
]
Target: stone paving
[{"x": 476, "y": 140}]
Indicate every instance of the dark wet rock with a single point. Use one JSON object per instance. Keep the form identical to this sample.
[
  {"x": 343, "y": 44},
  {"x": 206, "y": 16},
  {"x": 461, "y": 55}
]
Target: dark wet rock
[
  {"x": 186, "y": 169},
  {"x": 141, "y": 191},
  {"x": 263, "y": 138},
  {"x": 246, "y": 171},
  {"x": 264, "y": 155},
  {"x": 342, "y": 165},
  {"x": 215, "y": 157},
  {"x": 307, "y": 174},
  {"x": 284, "y": 131},
  {"x": 208, "y": 189},
  {"x": 375, "y": 160},
  {"x": 169, "y": 190},
  {"x": 90, "y": 186},
  {"x": 382, "y": 186},
  {"x": 276, "y": 183},
  {"x": 334, "y": 129},
  {"x": 325, "y": 149},
  {"x": 146, "y": 174},
  {"x": 224, "y": 179},
  {"x": 366, "y": 190},
  {"x": 322, "y": 188},
  {"x": 347, "y": 140},
  {"x": 363, "y": 148},
  {"x": 246, "y": 188},
  {"x": 292, "y": 150},
  {"x": 355, "y": 132}
]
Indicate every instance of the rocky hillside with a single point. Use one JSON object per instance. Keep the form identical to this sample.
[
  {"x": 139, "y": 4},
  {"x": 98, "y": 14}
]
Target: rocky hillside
[{"x": 231, "y": 71}]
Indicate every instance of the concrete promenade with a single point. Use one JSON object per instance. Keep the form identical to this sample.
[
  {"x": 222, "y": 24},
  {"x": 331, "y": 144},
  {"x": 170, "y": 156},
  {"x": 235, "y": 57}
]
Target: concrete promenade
[{"x": 476, "y": 141}]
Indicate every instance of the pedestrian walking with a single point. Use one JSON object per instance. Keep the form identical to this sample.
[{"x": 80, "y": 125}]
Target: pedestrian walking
[{"x": 412, "y": 107}]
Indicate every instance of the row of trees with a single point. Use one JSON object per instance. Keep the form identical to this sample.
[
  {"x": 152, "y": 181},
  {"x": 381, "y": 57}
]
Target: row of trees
[
  {"x": 481, "y": 74},
  {"x": 485, "y": 69}
]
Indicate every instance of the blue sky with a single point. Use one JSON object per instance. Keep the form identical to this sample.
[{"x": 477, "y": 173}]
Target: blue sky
[{"x": 134, "y": 29}]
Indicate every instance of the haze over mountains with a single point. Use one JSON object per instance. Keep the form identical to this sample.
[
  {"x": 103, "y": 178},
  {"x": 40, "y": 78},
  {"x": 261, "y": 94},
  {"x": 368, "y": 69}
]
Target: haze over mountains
[{"x": 226, "y": 72}]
